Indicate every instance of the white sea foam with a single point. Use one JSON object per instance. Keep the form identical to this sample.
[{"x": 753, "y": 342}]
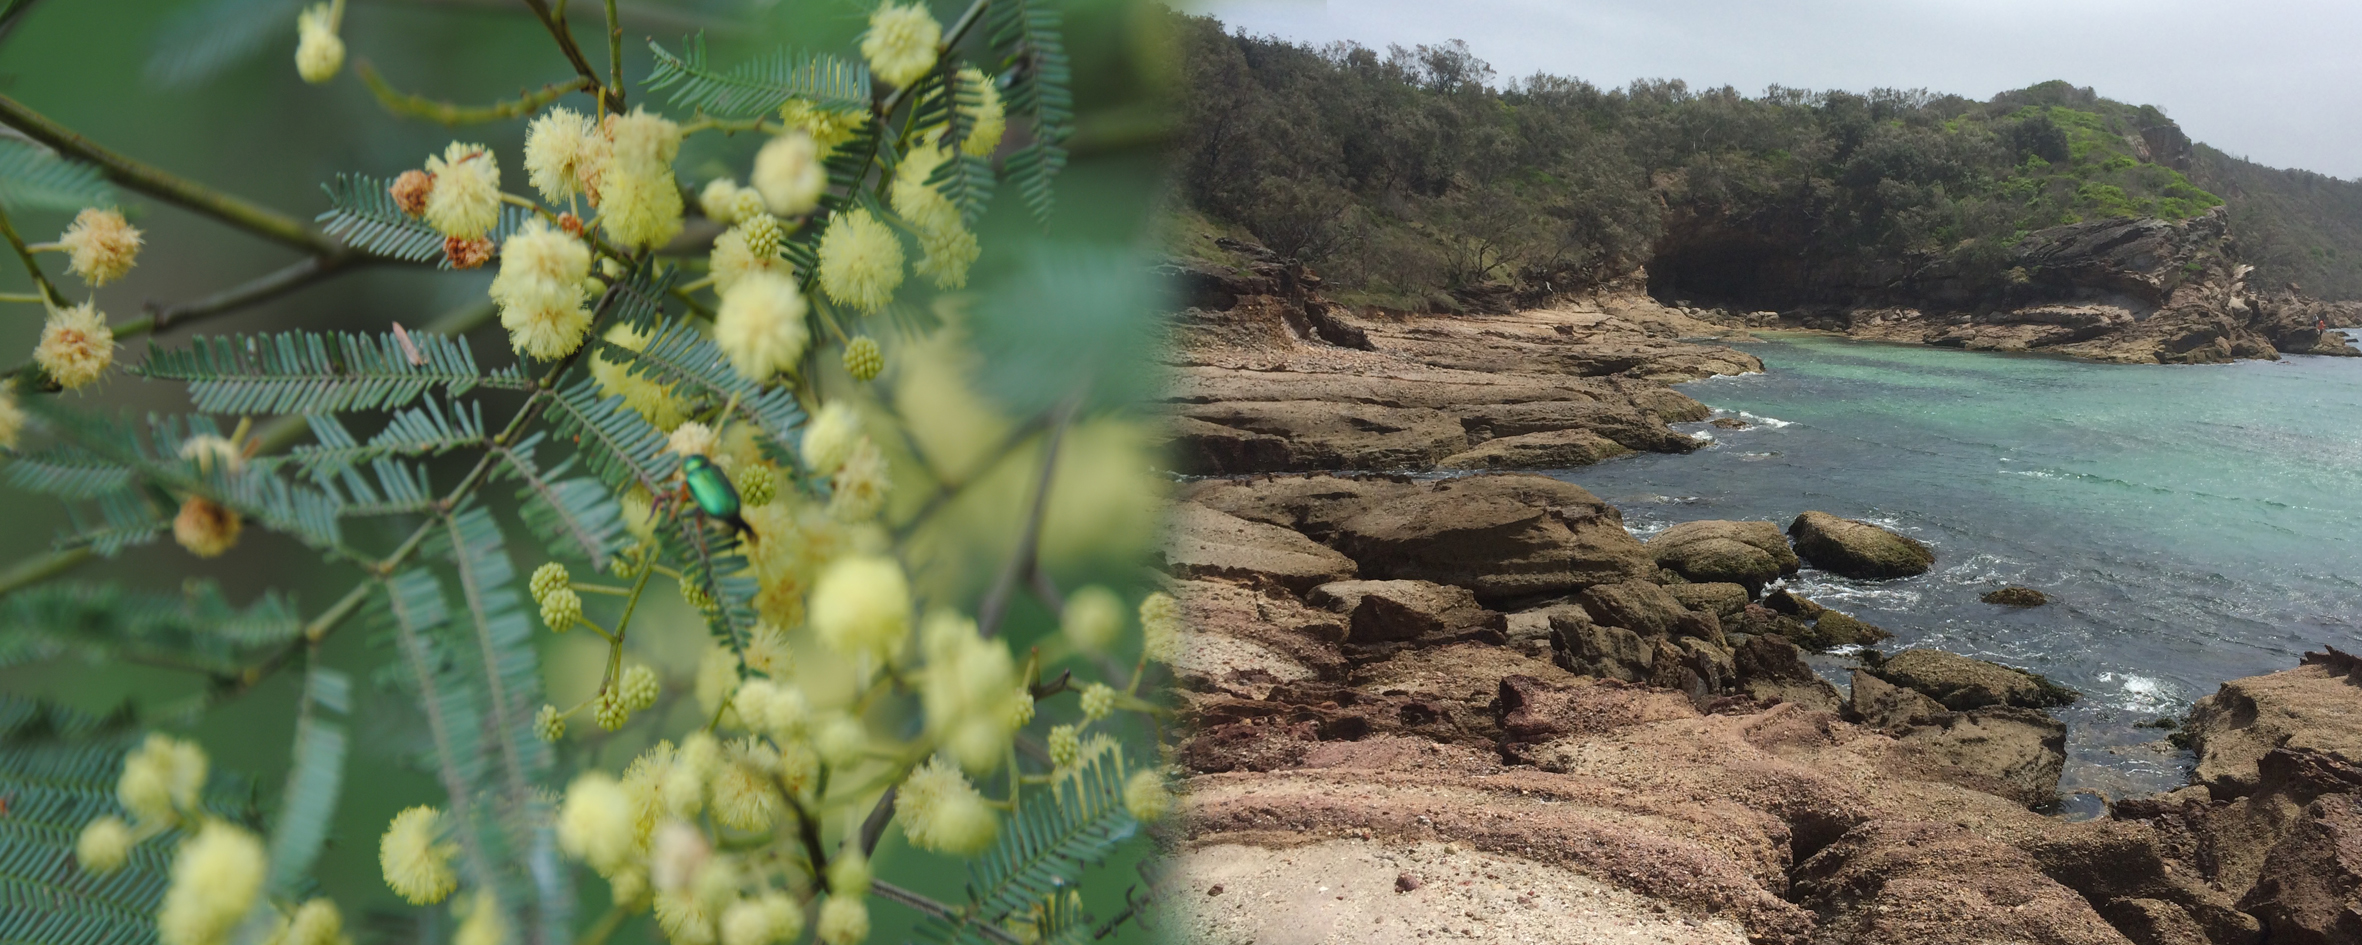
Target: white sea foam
[
  {"x": 1772, "y": 422},
  {"x": 2140, "y": 693}
]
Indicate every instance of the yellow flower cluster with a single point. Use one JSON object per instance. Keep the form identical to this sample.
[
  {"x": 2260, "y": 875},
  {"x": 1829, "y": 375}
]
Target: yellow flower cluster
[
  {"x": 540, "y": 290},
  {"x": 318, "y": 51},
  {"x": 415, "y": 859},
  {"x": 76, "y": 345},
  {"x": 653, "y": 399},
  {"x": 788, "y": 174},
  {"x": 563, "y": 154},
  {"x": 102, "y": 245},
  {"x": 940, "y": 810},
  {"x": 902, "y": 42},
  {"x": 639, "y": 201},
  {"x": 724, "y": 202},
  {"x": 465, "y": 201},
  {"x": 215, "y": 878},
  {"x": 760, "y": 325},
  {"x": 950, "y": 248},
  {"x": 827, "y": 127},
  {"x": 860, "y": 261}
]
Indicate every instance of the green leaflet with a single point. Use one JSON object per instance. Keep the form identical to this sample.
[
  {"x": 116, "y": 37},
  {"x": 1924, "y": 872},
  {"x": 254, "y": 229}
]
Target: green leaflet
[
  {"x": 680, "y": 355},
  {"x": 102, "y": 621},
  {"x": 1043, "y": 851},
  {"x": 315, "y": 779},
  {"x": 35, "y": 178},
  {"x": 1026, "y": 34},
  {"x": 577, "y": 516},
  {"x": 303, "y": 372},
  {"x": 363, "y": 214},
  {"x": 757, "y": 87}
]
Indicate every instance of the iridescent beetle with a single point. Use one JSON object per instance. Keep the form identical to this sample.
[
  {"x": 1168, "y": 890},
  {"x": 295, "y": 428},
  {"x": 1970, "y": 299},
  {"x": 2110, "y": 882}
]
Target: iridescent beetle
[{"x": 713, "y": 491}]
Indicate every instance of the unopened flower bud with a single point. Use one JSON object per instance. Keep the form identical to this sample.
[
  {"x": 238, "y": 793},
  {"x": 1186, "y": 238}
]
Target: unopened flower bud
[{"x": 864, "y": 359}]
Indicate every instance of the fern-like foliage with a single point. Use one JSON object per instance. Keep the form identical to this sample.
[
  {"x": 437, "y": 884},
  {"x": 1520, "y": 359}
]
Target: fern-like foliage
[
  {"x": 303, "y": 372},
  {"x": 614, "y": 440},
  {"x": 58, "y": 769},
  {"x": 204, "y": 37},
  {"x": 196, "y": 628},
  {"x": 1043, "y": 851},
  {"x": 118, "y": 520},
  {"x": 315, "y": 779},
  {"x": 710, "y": 560},
  {"x": 577, "y": 515},
  {"x": 757, "y": 87},
  {"x": 363, "y": 214},
  {"x": 1026, "y": 33},
  {"x": 681, "y": 356},
  {"x": 68, "y": 473},
  {"x": 35, "y": 178},
  {"x": 426, "y": 429},
  {"x": 399, "y": 488},
  {"x": 308, "y": 513}
]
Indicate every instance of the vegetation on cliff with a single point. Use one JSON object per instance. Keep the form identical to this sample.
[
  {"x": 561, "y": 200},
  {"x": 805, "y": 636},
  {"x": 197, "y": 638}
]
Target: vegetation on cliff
[{"x": 1412, "y": 177}]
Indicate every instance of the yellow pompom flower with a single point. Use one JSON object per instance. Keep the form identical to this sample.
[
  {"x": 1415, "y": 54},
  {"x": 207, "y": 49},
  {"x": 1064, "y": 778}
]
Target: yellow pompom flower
[
  {"x": 208, "y": 451},
  {"x": 724, "y": 202},
  {"x": 901, "y": 42},
  {"x": 205, "y": 527},
  {"x": 940, "y": 810},
  {"x": 839, "y": 738},
  {"x": 683, "y": 918},
  {"x": 827, "y": 127},
  {"x": 563, "y": 151},
  {"x": 161, "y": 779},
  {"x": 1146, "y": 797},
  {"x": 215, "y": 878},
  {"x": 861, "y": 606},
  {"x": 830, "y": 437},
  {"x": 767, "y": 651},
  {"x": 540, "y": 291},
  {"x": 653, "y": 400},
  {"x": 12, "y": 419},
  {"x": 860, "y": 261},
  {"x": 316, "y": 922},
  {"x": 1093, "y": 618},
  {"x": 744, "y": 797},
  {"x": 1160, "y": 626},
  {"x": 76, "y": 345},
  {"x": 595, "y": 823},
  {"x": 925, "y": 207},
  {"x": 750, "y": 247},
  {"x": 844, "y": 919},
  {"x": 466, "y": 200},
  {"x": 102, "y": 245},
  {"x": 692, "y": 439},
  {"x": 480, "y": 920},
  {"x": 318, "y": 51},
  {"x": 988, "y": 119},
  {"x": 949, "y": 252},
  {"x": 755, "y": 922},
  {"x": 968, "y": 678},
  {"x": 760, "y": 325},
  {"x": 104, "y": 845},
  {"x": 639, "y": 200},
  {"x": 788, "y": 174},
  {"x": 416, "y": 863},
  {"x": 858, "y": 490}
]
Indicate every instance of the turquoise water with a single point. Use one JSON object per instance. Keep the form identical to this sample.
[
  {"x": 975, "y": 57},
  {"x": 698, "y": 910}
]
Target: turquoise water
[{"x": 2193, "y": 524}]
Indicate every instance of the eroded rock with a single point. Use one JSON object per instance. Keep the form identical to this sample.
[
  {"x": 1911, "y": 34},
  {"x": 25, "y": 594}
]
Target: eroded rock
[
  {"x": 1857, "y": 549},
  {"x": 1961, "y": 683}
]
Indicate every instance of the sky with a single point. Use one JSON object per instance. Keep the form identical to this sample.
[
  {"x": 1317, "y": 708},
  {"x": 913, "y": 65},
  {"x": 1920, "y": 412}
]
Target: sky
[{"x": 2278, "y": 82}]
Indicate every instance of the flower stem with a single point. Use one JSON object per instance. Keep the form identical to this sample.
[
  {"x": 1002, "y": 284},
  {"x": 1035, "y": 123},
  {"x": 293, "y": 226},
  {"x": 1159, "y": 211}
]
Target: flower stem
[
  {"x": 410, "y": 105},
  {"x": 40, "y": 279}
]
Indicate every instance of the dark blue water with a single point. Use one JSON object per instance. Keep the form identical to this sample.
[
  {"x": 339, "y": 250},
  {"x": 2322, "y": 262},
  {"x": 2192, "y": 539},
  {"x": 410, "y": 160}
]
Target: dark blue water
[{"x": 2192, "y": 524}]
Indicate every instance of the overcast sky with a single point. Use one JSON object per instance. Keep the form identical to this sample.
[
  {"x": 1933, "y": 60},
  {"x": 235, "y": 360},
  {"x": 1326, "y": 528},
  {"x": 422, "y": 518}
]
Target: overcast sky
[{"x": 2276, "y": 81}]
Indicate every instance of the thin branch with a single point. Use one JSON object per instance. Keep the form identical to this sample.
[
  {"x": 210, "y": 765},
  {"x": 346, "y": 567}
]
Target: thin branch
[
  {"x": 40, "y": 279},
  {"x": 615, "y": 53},
  {"x": 892, "y": 893},
  {"x": 13, "y": 15},
  {"x": 645, "y": 15},
  {"x": 167, "y": 186},
  {"x": 409, "y": 105},
  {"x": 41, "y": 567},
  {"x": 611, "y": 97},
  {"x": 873, "y": 827},
  {"x": 263, "y": 288},
  {"x": 1023, "y": 561}
]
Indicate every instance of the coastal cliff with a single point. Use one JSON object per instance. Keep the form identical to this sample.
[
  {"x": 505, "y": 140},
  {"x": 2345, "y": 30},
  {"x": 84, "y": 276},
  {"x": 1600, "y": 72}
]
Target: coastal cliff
[{"x": 1479, "y": 706}]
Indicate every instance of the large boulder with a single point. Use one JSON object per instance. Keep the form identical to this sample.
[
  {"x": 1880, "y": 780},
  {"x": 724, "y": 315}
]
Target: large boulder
[
  {"x": 1900, "y": 883},
  {"x": 1747, "y": 553},
  {"x": 1387, "y": 611},
  {"x": 1857, "y": 549},
  {"x": 2315, "y": 707},
  {"x": 1642, "y": 607},
  {"x": 1235, "y": 437},
  {"x": 1721, "y": 600},
  {"x": 2310, "y": 889},
  {"x": 1507, "y": 537},
  {"x": 1555, "y": 449},
  {"x": 1586, "y": 648},
  {"x": 1204, "y": 542},
  {"x": 1962, "y": 683},
  {"x": 1770, "y": 669},
  {"x": 1881, "y": 704}
]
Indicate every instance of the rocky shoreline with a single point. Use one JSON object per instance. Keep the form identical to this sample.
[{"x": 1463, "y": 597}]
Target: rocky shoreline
[{"x": 1478, "y": 707}]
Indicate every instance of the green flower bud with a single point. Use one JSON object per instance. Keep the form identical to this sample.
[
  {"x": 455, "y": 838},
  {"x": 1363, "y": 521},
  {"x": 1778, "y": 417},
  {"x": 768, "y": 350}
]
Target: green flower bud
[
  {"x": 612, "y": 712},
  {"x": 1098, "y": 701},
  {"x": 1066, "y": 746},
  {"x": 548, "y": 725},
  {"x": 547, "y": 578},
  {"x": 560, "y": 609},
  {"x": 864, "y": 359},
  {"x": 639, "y": 688}
]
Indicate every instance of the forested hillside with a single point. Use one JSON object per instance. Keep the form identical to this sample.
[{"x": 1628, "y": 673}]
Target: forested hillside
[{"x": 1417, "y": 178}]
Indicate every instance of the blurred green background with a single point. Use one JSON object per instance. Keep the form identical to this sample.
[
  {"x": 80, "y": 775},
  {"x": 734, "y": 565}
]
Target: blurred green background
[{"x": 207, "y": 89}]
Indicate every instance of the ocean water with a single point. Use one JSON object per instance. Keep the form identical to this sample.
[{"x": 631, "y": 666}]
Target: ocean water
[{"x": 2191, "y": 524}]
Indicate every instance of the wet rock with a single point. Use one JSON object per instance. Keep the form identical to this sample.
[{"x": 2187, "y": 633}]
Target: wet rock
[
  {"x": 1208, "y": 543},
  {"x": 2015, "y": 596},
  {"x": 1722, "y": 600},
  {"x": 1787, "y": 602},
  {"x": 1643, "y": 607},
  {"x": 1554, "y": 449},
  {"x": 1383, "y": 611},
  {"x": 1857, "y": 549},
  {"x": 1896, "y": 883},
  {"x": 1960, "y": 682},
  {"x": 2315, "y": 707},
  {"x": 1746, "y": 553},
  {"x": 1834, "y": 629}
]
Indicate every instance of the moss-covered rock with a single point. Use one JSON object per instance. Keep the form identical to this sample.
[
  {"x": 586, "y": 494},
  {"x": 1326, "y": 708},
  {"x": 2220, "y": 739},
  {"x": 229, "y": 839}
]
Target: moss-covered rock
[
  {"x": 1857, "y": 549},
  {"x": 2016, "y": 596},
  {"x": 1960, "y": 682}
]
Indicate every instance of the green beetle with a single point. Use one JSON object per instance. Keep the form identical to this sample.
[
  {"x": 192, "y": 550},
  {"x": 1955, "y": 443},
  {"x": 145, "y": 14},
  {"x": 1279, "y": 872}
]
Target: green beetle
[{"x": 713, "y": 491}]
